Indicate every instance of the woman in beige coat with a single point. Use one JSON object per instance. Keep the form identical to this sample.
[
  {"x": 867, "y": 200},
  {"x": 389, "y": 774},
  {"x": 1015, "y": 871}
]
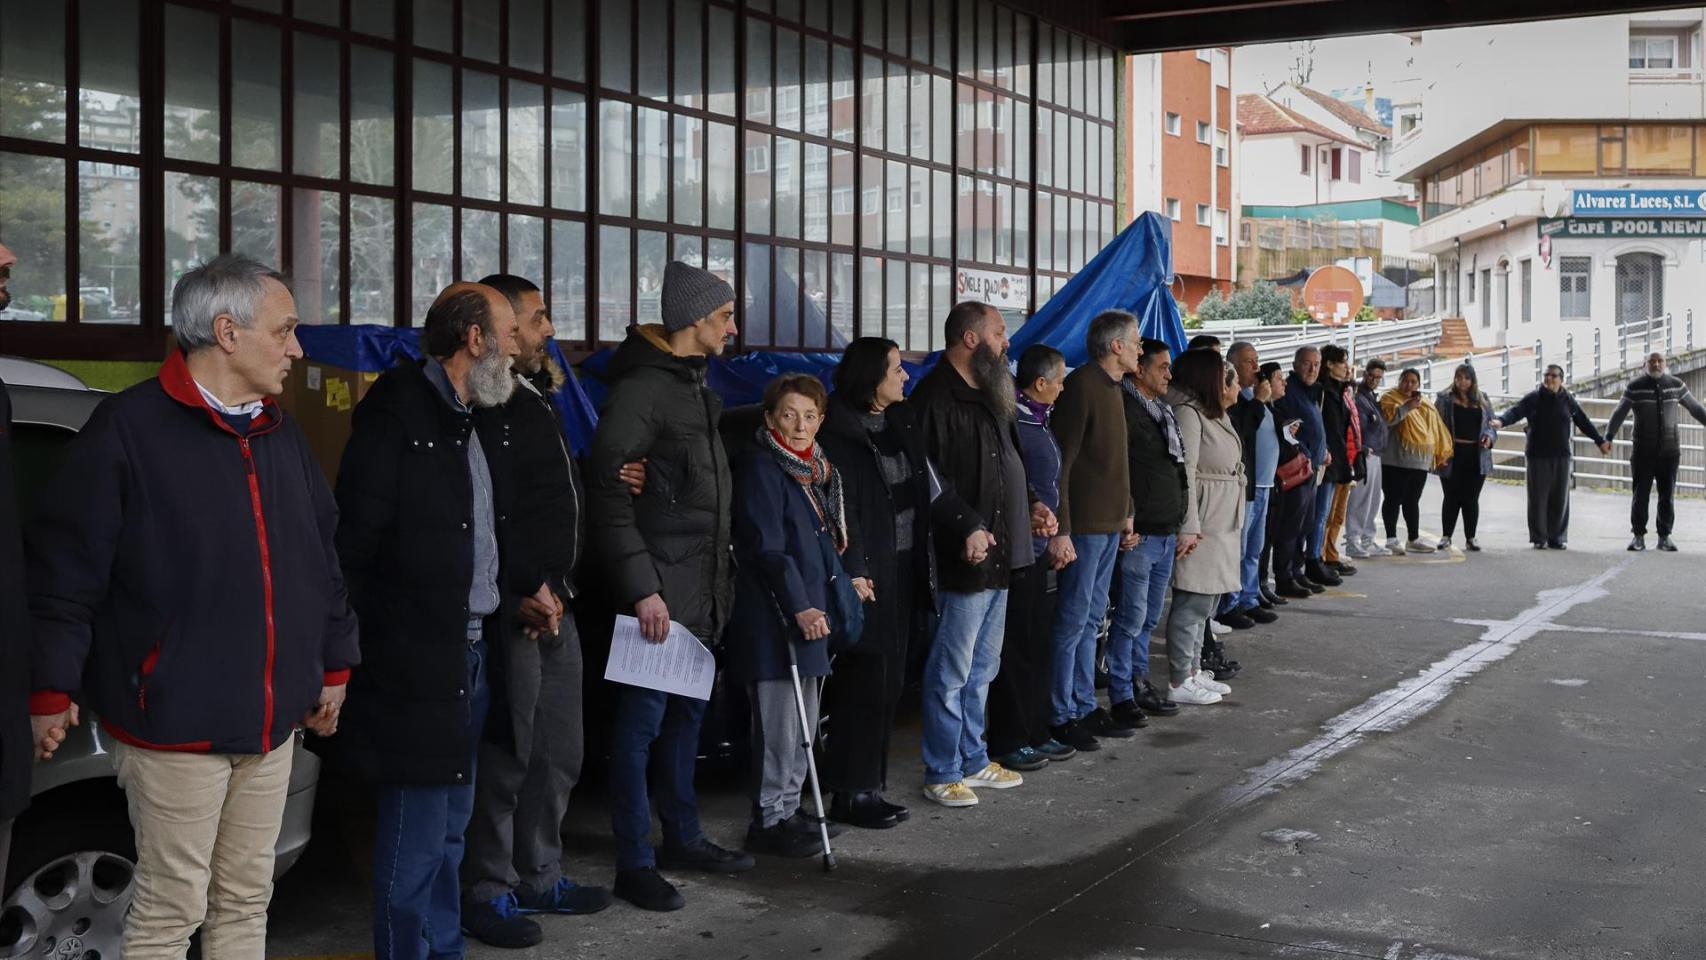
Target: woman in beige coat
[{"x": 1210, "y": 540}]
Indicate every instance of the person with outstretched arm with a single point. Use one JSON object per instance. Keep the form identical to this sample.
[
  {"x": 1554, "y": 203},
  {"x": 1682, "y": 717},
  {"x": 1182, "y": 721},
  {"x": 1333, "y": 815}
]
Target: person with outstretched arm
[
  {"x": 1550, "y": 411},
  {"x": 1654, "y": 398}
]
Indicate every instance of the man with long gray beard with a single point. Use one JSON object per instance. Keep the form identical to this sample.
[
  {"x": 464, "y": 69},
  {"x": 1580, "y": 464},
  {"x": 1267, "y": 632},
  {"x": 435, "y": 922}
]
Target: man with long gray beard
[
  {"x": 426, "y": 502},
  {"x": 967, "y": 405}
]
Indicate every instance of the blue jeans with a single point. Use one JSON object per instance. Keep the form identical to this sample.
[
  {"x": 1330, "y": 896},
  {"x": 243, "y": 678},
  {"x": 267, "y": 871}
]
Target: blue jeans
[
  {"x": 962, "y": 662},
  {"x": 648, "y": 723},
  {"x": 1317, "y": 529},
  {"x": 1145, "y": 572},
  {"x": 417, "y": 893},
  {"x": 1082, "y": 602},
  {"x": 1255, "y": 534}
]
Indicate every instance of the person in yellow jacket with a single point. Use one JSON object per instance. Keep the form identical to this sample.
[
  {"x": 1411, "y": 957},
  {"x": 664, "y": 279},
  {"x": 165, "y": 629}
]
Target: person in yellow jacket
[{"x": 1419, "y": 444}]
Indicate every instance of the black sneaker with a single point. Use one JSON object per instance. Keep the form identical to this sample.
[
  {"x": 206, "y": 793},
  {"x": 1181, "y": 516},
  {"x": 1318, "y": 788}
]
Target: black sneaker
[
  {"x": 1312, "y": 586},
  {"x": 1056, "y": 751},
  {"x": 1318, "y": 572},
  {"x": 1295, "y": 589},
  {"x": 805, "y": 822},
  {"x": 705, "y": 856},
  {"x": 1260, "y": 615},
  {"x": 646, "y": 889},
  {"x": 499, "y": 923},
  {"x": 1538, "y": 545},
  {"x": 781, "y": 840},
  {"x": 567, "y": 897},
  {"x": 1151, "y": 702},
  {"x": 1236, "y": 619},
  {"x": 1025, "y": 760},
  {"x": 1129, "y": 713},
  {"x": 1666, "y": 545},
  {"x": 1100, "y": 724},
  {"x": 1272, "y": 599},
  {"x": 1638, "y": 544},
  {"x": 1075, "y": 736},
  {"x": 1556, "y": 545}
]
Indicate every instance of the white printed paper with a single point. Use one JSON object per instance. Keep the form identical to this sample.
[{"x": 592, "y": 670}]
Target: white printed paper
[{"x": 679, "y": 665}]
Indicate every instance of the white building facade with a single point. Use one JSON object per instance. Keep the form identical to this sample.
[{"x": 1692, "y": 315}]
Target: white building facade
[{"x": 1562, "y": 167}]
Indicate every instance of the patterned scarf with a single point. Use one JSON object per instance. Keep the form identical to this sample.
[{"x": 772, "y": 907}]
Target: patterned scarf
[{"x": 821, "y": 480}]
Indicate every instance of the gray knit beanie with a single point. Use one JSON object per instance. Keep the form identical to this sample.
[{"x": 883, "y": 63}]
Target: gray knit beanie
[{"x": 690, "y": 295}]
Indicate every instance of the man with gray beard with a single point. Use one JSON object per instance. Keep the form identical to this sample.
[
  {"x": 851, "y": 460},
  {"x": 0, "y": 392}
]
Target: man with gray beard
[
  {"x": 426, "y": 501},
  {"x": 966, "y": 405}
]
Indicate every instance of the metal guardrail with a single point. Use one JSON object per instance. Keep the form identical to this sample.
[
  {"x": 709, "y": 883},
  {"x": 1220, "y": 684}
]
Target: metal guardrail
[
  {"x": 1592, "y": 467},
  {"x": 1380, "y": 338}
]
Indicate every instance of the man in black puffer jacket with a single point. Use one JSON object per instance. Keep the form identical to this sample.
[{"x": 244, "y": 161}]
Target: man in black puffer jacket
[
  {"x": 1654, "y": 398},
  {"x": 427, "y": 500},
  {"x": 666, "y": 552},
  {"x": 1550, "y": 411},
  {"x": 15, "y": 737}
]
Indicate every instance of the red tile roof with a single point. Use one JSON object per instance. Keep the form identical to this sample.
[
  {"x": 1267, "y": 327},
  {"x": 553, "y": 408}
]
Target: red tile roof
[
  {"x": 1259, "y": 115},
  {"x": 1347, "y": 112}
]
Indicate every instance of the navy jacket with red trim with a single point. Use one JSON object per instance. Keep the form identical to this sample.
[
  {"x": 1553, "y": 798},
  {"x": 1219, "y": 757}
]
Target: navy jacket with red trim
[{"x": 183, "y": 577}]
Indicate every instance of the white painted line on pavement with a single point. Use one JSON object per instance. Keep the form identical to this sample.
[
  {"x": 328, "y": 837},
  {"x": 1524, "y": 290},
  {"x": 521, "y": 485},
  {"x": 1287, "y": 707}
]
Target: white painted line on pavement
[{"x": 1620, "y": 631}]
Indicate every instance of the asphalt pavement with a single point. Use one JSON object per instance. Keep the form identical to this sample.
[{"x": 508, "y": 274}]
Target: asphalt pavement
[{"x": 1493, "y": 755}]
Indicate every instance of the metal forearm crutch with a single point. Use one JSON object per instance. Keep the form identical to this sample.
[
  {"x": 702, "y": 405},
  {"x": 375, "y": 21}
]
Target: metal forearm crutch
[{"x": 811, "y": 759}]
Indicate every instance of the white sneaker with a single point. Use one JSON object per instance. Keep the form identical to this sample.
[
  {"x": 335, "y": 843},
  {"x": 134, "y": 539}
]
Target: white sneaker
[
  {"x": 1218, "y": 628},
  {"x": 1375, "y": 550},
  {"x": 1418, "y": 546},
  {"x": 1444, "y": 544},
  {"x": 1192, "y": 694},
  {"x": 1357, "y": 551},
  {"x": 1394, "y": 546},
  {"x": 1205, "y": 681}
]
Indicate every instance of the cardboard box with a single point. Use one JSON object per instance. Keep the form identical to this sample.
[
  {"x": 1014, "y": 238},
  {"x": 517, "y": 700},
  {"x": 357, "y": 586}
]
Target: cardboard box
[{"x": 322, "y": 399}]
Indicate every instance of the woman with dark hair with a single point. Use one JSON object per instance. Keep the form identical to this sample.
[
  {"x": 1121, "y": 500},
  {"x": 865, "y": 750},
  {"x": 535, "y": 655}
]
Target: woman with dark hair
[
  {"x": 1419, "y": 442},
  {"x": 892, "y": 498},
  {"x": 791, "y": 538},
  {"x": 1468, "y": 416},
  {"x": 1286, "y": 508},
  {"x": 1210, "y": 544}
]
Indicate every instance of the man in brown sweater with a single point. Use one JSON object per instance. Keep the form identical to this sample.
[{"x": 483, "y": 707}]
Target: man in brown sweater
[{"x": 1095, "y": 523}]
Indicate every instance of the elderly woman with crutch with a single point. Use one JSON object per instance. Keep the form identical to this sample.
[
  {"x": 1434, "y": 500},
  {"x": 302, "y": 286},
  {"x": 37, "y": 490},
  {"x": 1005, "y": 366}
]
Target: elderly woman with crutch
[{"x": 794, "y": 602}]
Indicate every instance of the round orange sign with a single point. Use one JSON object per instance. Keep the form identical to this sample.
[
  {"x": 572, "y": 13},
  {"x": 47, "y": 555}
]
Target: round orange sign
[{"x": 1332, "y": 295}]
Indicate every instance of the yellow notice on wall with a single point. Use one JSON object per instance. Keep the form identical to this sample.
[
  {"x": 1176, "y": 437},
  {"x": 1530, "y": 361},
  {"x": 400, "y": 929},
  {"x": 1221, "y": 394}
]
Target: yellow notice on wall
[{"x": 337, "y": 393}]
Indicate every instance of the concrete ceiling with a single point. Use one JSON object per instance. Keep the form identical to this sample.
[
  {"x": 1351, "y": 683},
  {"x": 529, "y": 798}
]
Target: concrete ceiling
[{"x": 1139, "y": 26}]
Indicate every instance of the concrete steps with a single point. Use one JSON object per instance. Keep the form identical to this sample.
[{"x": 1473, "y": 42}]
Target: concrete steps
[{"x": 1454, "y": 338}]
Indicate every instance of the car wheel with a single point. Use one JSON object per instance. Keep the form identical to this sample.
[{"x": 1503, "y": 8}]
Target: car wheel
[{"x": 75, "y": 874}]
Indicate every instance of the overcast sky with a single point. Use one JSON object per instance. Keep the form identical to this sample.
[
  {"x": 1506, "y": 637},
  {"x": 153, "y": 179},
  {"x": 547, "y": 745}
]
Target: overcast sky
[{"x": 1339, "y": 63}]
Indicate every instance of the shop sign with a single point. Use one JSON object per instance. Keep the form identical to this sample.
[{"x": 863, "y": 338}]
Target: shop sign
[
  {"x": 1638, "y": 203},
  {"x": 1003, "y": 291},
  {"x": 1606, "y": 228}
]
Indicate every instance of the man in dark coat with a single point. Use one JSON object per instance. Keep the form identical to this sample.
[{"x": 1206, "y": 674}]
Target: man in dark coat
[
  {"x": 14, "y": 627},
  {"x": 666, "y": 552},
  {"x": 426, "y": 499},
  {"x": 521, "y": 791},
  {"x": 1302, "y": 402},
  {"x": 183, "y": 584},
  {"x": 1550, "y": 411},
  {"x": 966, "y": 405},
  {"x": 1654, "y": 398}
]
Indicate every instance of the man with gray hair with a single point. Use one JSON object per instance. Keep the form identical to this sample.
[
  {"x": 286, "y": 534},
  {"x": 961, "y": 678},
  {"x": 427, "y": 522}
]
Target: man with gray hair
[
  {"x": 1095, "y": 524},
  {"x": 184, "y": 585}
]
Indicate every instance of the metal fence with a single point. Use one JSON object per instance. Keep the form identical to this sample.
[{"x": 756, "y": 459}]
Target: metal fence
[
  {"x": 1381, "y": 338},
  {"x": 1592, "y": 468},
  {"x": 1517, "y": 370}
]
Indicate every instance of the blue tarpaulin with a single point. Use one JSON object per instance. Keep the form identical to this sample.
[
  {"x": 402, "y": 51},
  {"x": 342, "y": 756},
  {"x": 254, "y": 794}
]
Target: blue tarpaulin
[
  {"x": 1131, "y": 273},
  {"x": 370, "y": 348}
]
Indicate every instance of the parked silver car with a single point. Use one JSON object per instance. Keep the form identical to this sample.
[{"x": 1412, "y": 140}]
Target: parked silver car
[{"x": 73, "y": 852}]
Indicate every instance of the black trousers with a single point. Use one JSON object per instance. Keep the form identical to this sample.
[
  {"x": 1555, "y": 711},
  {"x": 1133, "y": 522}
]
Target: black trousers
[
  {"x": 1019, "y": 696},
  {"x": 1648, "y": 468},
  {"x": 1462, "y": 490},
  {"x": 1401, "y": 490},
  {"x": 1548, "y": 500},
  {"x": 1289, "y": 513},
  {"x": 864, "y": 686}
]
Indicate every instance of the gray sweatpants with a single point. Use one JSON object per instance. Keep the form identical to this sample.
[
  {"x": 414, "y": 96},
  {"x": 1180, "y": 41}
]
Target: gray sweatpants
[
  {"x": 1548, "y": 499},
  {"x": 1362, "y": 511},
  {"x": 1186, "y": 620},
  {"x": 515, "y": 835},
  {"x": 778, "y": 751}
]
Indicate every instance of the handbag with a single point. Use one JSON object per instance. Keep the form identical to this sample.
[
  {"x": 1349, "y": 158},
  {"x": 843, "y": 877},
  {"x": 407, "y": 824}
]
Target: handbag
[
  {"x": 847, "y": 613},
  {"x": 1293, "y": 473}
]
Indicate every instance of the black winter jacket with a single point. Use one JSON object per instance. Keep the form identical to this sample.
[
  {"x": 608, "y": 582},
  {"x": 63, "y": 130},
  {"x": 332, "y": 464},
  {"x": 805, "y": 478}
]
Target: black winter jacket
[
  {"x": 871, "y": 508},
  {"x": 1157, "y": 480},
  {"x": 15, "y": 753},
  {"x": 183, "y": 577},
  {"x": 673, "y": 539},
  {"x": 406, "y": 539},
  {"x": 1549, "y": 417},
  {"x": 550, "y": 533},
  {"x": 963, "y": 436},
  {"x": 1247, "y": 415},
  {"x": 1654, "y": 402},
  {"x": 1336, "y": 422}
]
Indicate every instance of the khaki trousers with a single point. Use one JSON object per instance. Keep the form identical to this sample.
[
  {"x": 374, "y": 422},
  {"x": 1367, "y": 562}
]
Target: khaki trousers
[
  {"x": 1335, "y": 523},
  {"x": 206, "y": 826}
]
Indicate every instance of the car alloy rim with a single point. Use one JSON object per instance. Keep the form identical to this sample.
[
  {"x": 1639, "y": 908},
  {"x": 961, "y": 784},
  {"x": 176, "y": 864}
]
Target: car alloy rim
[{"x": 71, "y": 909}]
